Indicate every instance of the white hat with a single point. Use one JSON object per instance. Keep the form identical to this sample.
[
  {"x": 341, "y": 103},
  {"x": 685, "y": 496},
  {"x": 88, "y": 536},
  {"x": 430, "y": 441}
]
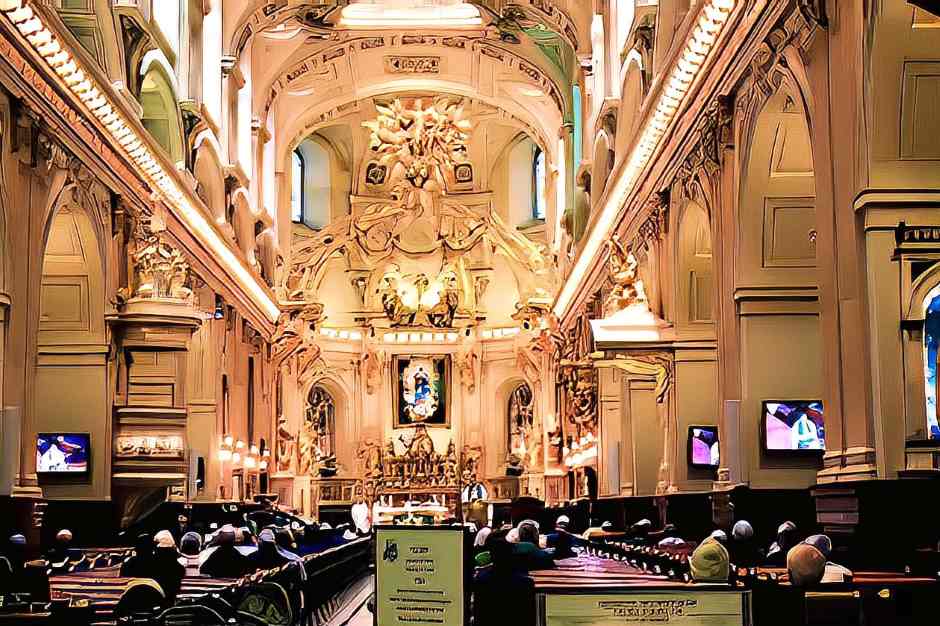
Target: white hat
[
  {"x": 64, "y": 535},
  {"x": 164, "y": 539},
  {"x": 563, "y": 520}
]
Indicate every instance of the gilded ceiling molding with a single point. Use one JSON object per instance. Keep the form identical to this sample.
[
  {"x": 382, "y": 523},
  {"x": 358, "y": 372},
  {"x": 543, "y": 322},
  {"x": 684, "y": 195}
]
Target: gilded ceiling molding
[{"x": 319, "y": 66}]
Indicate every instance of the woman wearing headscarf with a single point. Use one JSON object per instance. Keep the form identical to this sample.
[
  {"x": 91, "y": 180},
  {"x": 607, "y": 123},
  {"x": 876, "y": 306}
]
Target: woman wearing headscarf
[
  {"x": 190, "y": 546},
  {"x": 137, "y": 565},
  {"x": 503, "y": 594},
  {"x": 710, "y": 563},
  {"x": 268, "y": 555},
  {"x": 165, "y": 567},
  {"x": 786, "y": 539},
  {"x": 226, "y": 561},
  {"x": 479, "y": 542},
  {"x": 743, "y": 547}
]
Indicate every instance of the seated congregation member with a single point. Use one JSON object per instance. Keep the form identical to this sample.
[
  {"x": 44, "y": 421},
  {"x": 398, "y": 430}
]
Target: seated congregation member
[
  {"x": 561, "y": 527},
  {"x": 11, "y": 564},
  {"x": 59, "y": 553},
  {"x": 806, "y": 565},
  {"x": 597, "y": 533},
  {"x": 182, "y": 527},
  {"x": 268, "y": 555},
  {"x": 226, "y": 561},
  {"x": 479, "y": 541},
  {"x": 834, "y": 573},
  {"x": 165, "y": 567},
  {"x": 527, "y": 551},
  {"x": 743, "y": 548},
  {"x": 190, "y": 547},
  {"x": 786, "y": 539},
  {"x": 138, "y": 565},
  {"x": 710, "y": 562},
  {"x": 502, "y": 592}
]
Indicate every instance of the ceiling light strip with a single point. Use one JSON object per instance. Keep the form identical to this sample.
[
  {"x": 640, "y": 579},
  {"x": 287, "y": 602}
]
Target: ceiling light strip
[
  {"x": 711, "y": 22},
  {"x": 82, "y": 84}
]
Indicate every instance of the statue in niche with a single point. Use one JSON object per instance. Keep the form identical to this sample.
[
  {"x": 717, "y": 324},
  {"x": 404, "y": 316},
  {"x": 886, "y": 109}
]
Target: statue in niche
[
  {"x": 419, "y": 452},
  {"x": 392, "y": 304},
  {"x": 442, "y": 314},
  {"x": 628, "y": 290},
  {"x": 465, "y": 361},
  {"x": 286, "y": 445},
  {"x": 449, "y": 466},
  {"x": 372, "y": 361},
  {"x": 316, "y": 456},
  {"x": 471, "y": 457}
]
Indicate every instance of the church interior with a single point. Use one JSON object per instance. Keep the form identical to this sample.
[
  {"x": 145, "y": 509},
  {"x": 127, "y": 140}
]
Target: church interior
[{"x": 653, "y": 285}]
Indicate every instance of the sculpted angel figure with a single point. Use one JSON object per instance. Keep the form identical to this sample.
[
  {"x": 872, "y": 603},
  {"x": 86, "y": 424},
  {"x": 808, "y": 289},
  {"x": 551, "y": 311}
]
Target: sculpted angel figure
[{"x": 628, "y": 289}]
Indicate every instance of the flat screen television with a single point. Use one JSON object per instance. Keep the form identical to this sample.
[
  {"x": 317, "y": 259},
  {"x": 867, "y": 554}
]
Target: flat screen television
[
  {"x": 62, "y": 453},
  {"x": 793, "y": 426},
  {"x": 703, "y": 446}
]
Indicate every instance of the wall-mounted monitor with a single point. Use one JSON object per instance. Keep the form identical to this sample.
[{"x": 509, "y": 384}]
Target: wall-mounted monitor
[
  {"x": 703, "y": 446},
  {"x": 793, "y": 426},
  {"x": 62, "y": 453}
]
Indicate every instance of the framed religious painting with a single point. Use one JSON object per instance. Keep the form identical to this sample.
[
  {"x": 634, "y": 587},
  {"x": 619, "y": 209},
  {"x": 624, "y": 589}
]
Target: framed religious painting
[{"x": 421, "y": 389}]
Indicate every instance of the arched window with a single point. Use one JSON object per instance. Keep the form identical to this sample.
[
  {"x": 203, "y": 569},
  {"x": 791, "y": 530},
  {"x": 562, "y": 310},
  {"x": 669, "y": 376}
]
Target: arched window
[
  {"x": 161, "y": 115},
  {"x": 297, "y": 187},
  {"x": 310, "y": 184},
  {"x": 577, "y": 136},
  {"x": 521, "y": 417},
  {"x": 538, "y": 184},
  {"x": 320, "y": 420},
  {"x": 931, "y": 340}
]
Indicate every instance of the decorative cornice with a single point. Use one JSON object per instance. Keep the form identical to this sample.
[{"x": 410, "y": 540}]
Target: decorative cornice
[
  {"x": 126, "y": 146},
  {"x": 671, "y": 97}
]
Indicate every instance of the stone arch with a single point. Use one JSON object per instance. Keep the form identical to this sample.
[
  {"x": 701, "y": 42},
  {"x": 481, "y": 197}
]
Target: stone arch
[
  {"x": 345, "y": 423},
  {"x": 71, "y": 342}
]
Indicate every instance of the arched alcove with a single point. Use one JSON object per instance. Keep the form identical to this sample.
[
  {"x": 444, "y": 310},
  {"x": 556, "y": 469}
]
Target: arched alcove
[
  {"x": 325, "y": 398},
  {"x": 694, "y": 281},
  {"x": 72, "y": 347},
  {"x": 160, "y": 112}
]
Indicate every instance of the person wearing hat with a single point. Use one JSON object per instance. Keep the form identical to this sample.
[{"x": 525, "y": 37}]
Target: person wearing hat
[
  {"x": 710, "y": 562},
  {"x": 743, "y": 547},
  {"x": 720, "y": 535},
  {"x": 165, "y": 567},
  {"x": 226, "y": 561}
]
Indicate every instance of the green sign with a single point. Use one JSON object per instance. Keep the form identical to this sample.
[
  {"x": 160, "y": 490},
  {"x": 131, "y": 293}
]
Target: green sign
[
  {"x": 420, "y": 576},
  {"x": 717, "y": 607}
]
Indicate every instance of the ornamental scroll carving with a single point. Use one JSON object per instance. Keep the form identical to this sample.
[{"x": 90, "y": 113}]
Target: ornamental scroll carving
[
  {"x": 420, "y": 144},
  {"x": 418, "y": 466},
  {"x": 160, "y": 270}
]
